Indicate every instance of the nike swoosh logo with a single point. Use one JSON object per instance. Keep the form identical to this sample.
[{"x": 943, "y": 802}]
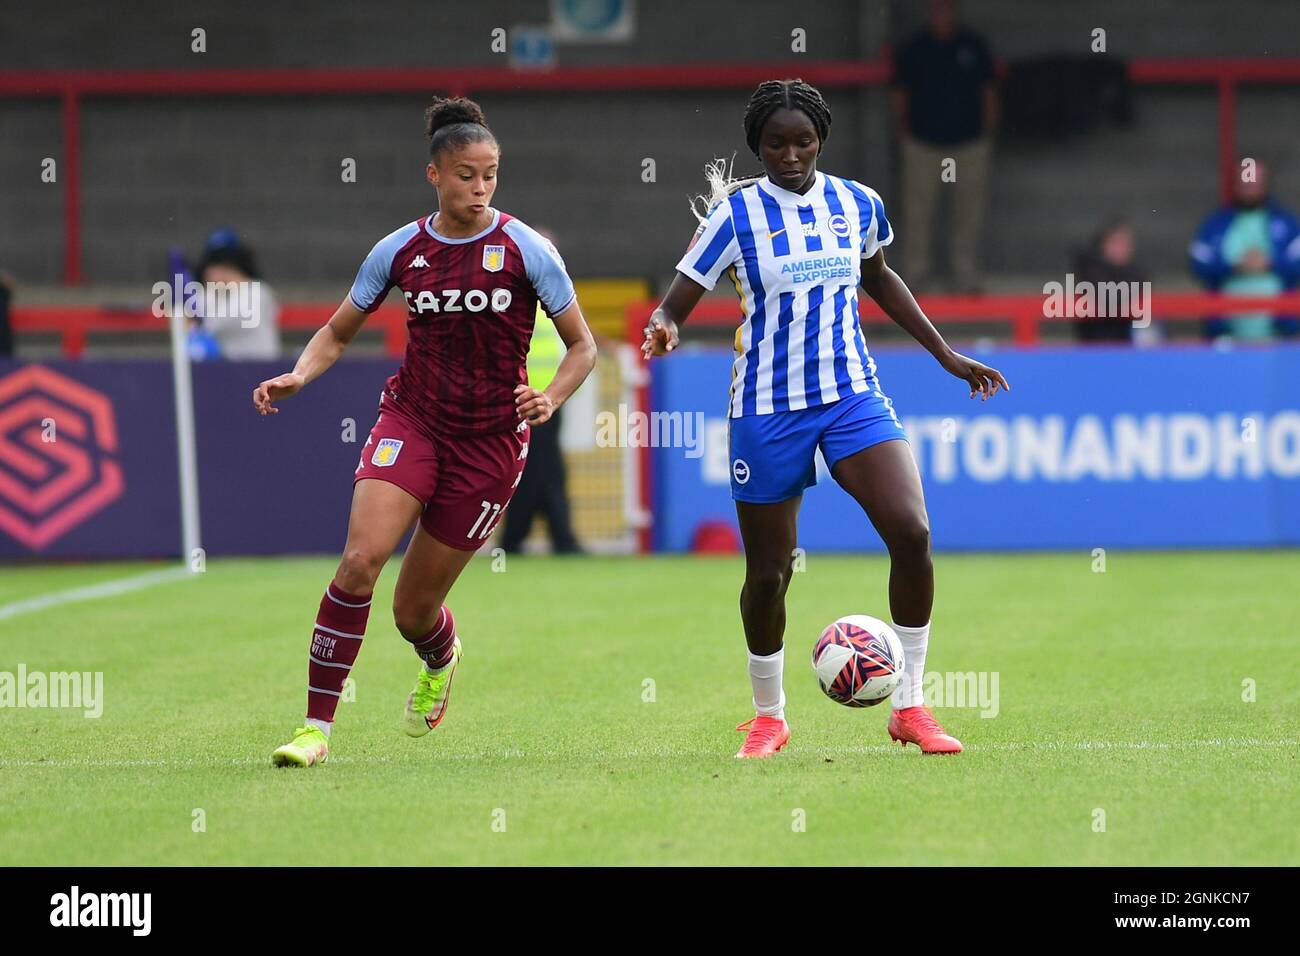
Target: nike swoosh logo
[{"x": 773, "y": 235}]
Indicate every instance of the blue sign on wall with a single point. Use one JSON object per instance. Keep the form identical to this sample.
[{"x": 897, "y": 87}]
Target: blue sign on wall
[
  {"x": 531, "y": 47},
  {"x": 1092, "y": 448}
]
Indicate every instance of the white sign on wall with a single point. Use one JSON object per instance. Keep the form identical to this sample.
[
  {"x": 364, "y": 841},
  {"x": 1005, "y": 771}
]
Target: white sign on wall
[{"x": 593, "y": 21}]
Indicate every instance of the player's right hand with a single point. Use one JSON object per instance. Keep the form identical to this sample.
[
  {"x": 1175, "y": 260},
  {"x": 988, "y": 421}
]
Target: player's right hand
[
  {"x": 660, "y": 336},
  {"x": 274, "y": 389}
]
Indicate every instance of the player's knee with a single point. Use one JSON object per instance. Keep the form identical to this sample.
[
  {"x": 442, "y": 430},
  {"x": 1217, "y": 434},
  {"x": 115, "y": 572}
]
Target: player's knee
[
  {"x": 414, "y": 618},
  {"x": 359, "y": 569},
  {"x": 767, "y": 582},
  {"x": 910, "y": 538}
]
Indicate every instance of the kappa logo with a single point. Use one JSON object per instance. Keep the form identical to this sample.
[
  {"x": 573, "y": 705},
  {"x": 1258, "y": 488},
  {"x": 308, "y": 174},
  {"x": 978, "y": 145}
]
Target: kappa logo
[
  {"x": 386, "y": 452},
  {"x": 58, "y": 455},
  {"x": 494, "y": 258},
  {"x": 839, "y": 225},
  {"x": 418, "y": 262}
]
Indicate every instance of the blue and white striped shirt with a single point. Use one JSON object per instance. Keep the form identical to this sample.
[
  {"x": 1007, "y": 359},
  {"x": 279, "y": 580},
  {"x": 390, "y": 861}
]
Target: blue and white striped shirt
[{"x": 796, "y": 261}]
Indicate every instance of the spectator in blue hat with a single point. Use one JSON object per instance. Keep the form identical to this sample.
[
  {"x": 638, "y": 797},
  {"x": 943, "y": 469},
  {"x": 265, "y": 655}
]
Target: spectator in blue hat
[{"x": 240, "y": 310}]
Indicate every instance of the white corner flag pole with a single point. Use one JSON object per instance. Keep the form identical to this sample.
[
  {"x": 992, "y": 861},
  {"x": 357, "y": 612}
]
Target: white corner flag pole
[{"x": 187, "y": 459}]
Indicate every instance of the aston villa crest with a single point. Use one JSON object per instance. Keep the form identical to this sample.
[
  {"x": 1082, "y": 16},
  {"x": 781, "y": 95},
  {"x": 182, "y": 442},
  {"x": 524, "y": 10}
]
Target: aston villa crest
[{"x": 494, "y": 257}]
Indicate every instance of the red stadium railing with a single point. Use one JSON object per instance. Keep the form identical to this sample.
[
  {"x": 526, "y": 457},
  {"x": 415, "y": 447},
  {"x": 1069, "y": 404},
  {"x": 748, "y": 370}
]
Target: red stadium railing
[
  {"x": 1022, "y": 313},
  {"x": 74, "y": 324},
  {"x": 1225, "y": 75}
]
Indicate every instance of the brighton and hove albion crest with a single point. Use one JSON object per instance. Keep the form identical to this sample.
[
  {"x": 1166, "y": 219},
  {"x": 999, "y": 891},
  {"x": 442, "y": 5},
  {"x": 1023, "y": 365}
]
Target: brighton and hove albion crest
[{"x": 494, "y": 257}]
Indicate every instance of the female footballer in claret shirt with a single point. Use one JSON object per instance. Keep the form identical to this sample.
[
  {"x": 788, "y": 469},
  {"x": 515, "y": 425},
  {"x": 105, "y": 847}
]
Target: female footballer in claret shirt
[
  {"x": 797, "y": 243},
  {"x": 451, "y": 439}
]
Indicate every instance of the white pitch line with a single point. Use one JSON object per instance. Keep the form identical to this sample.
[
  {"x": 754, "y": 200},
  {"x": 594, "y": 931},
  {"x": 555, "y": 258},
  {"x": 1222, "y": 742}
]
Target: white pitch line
[
  {"x": 1096, "y": 745},
  {"x": 1230, "y": 742},
  {"x": 92, "y": 591}
]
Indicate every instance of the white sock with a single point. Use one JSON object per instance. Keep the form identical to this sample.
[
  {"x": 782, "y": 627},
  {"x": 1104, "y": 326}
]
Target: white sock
[
  {"x": 765, "y": 676},
  {"x": 323, "y": 725},
  {"x": 915, "y": 641}
]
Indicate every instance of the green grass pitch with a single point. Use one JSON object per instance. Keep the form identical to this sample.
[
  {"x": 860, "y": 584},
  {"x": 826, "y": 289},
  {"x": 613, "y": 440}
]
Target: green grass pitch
[{"x": 1120, "y": 693}]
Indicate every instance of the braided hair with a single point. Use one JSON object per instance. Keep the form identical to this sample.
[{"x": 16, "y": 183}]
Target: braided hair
[
  {"x": 453, "y": 122},
  {"x": 770, "y": 96},
  {"x": 773, "y": 95}
]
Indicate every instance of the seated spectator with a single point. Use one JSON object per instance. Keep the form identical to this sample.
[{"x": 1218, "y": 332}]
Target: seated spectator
[
  {"x": 245, "y": 320},
  {"x": 1110, "y": 257},
  {"x": 1249, "y": 247}
]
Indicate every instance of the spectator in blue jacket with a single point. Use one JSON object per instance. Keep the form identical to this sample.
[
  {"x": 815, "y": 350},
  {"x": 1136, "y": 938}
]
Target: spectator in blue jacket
[{"x": 1249, "y": 247}]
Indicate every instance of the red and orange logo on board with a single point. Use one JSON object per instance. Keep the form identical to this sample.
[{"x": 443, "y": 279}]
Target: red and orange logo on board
[{"x": 58, "y": 448}]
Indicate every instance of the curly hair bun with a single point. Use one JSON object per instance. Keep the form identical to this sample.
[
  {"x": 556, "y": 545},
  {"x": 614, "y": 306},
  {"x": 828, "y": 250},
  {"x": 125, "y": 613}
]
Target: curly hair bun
[{"x": 447, "y": 111}]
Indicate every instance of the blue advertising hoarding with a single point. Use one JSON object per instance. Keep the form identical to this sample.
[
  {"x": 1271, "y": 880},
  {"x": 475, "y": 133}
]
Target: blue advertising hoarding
[
  {"x": 1092, "y": 448},
  {"x": 1099, "y": 447}
]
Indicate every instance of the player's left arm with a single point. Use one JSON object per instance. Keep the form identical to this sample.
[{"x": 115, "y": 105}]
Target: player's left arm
[
  {"x": 893, "y": 296},
  {"x": 538, "y": 405}
]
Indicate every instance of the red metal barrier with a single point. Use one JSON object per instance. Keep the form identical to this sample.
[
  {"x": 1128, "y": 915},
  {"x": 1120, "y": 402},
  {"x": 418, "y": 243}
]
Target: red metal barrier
[
  {"x": 1024, "y": 313},
  {"x": 74, "y": 323}
]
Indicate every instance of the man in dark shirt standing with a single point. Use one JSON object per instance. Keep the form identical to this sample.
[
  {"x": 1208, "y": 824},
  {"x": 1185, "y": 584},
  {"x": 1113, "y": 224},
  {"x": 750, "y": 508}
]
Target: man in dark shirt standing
[{"x": 945, "y": 103}]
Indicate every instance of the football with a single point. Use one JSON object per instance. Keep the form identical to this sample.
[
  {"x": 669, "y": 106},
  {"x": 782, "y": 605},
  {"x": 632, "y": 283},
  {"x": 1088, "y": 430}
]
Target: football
[{"x": 858, "y": 661}]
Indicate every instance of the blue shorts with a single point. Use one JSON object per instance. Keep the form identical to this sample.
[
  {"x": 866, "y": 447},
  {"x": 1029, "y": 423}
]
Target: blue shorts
[{"x": 773, "y": 457}]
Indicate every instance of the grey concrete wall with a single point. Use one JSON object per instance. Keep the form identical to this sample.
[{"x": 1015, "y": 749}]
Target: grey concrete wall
[
  {"x": 159, "y": 171},
  {"x": 31, "y": 212},
  {"x": 133, "y": 34}
]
